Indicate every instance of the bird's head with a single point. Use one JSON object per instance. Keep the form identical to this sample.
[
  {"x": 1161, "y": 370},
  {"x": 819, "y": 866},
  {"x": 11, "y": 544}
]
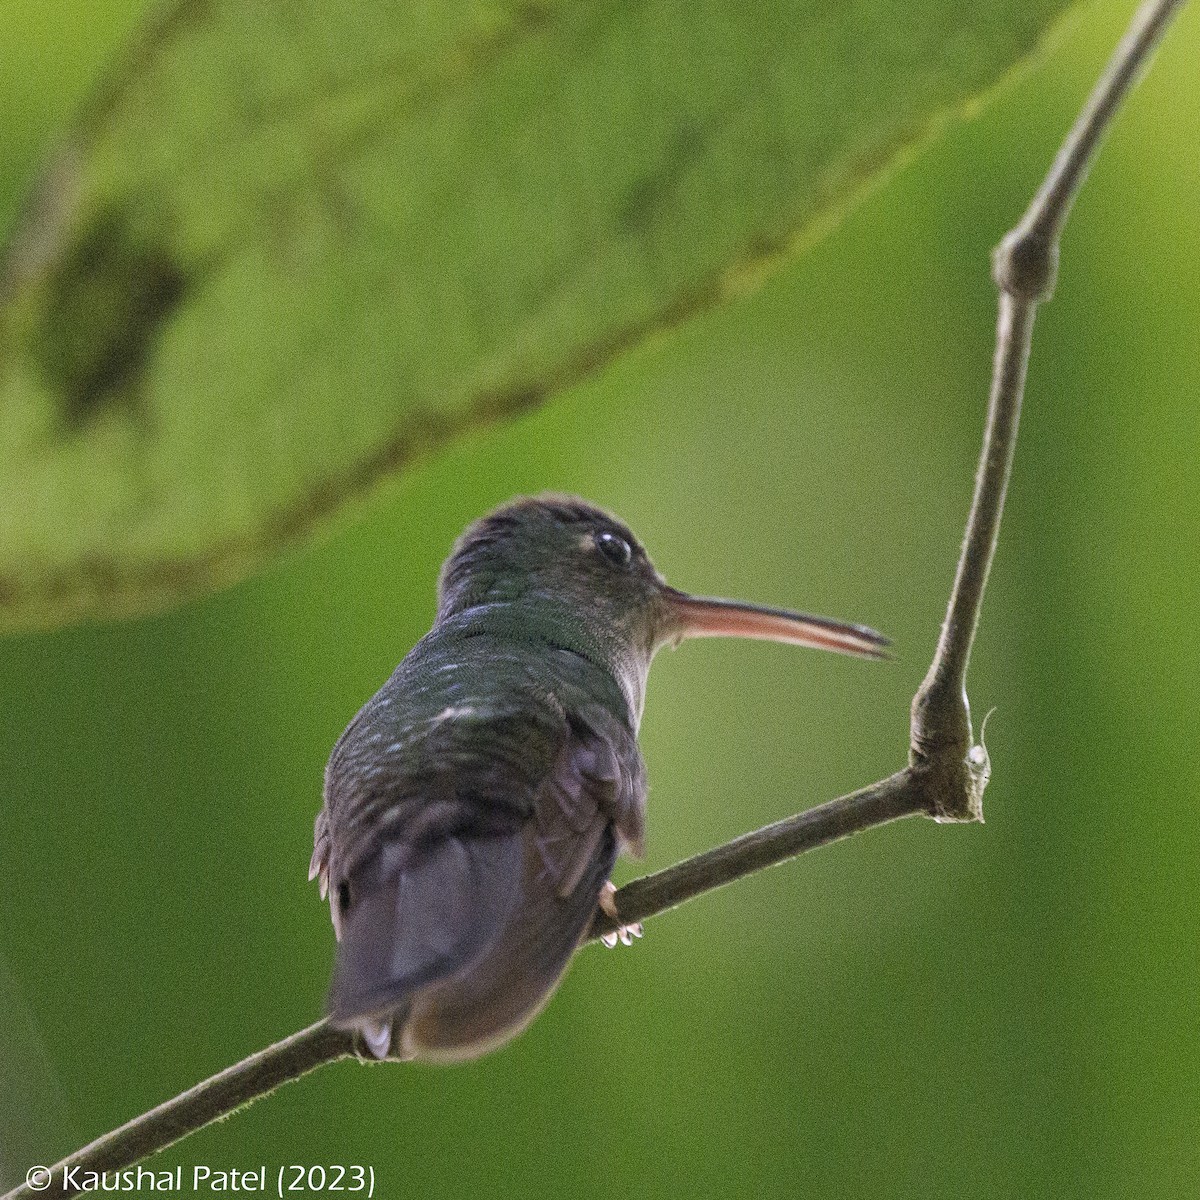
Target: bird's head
[{"x": 586, "y": 583}]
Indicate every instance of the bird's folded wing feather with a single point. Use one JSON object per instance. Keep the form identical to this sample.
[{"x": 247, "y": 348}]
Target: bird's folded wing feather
[
  {"x": 427, "y": 853},
  {"x": 589, "y": 803},
  {"x": 597, "y": 781}
]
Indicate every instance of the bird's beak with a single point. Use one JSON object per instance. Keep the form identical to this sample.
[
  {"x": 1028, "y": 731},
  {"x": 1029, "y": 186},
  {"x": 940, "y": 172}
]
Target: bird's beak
[{"x": 703, "y": 616}]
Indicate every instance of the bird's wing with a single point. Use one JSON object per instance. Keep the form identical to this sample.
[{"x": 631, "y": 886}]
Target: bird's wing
[
  {"x": 590, "y": 802},
  {"x": 598, "y": 781},
  {"x": 419, "y": 839},
  {"x": 465, "y": 889}
]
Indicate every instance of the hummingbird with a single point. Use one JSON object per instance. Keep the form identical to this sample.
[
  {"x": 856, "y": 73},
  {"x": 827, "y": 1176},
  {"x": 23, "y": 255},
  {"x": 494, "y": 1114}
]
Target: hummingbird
[{"x": 476, "y": 805}]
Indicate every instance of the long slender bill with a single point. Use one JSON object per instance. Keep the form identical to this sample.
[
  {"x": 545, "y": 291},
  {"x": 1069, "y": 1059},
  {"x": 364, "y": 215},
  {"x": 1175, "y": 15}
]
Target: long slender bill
[{"x": 706, "y": 616}]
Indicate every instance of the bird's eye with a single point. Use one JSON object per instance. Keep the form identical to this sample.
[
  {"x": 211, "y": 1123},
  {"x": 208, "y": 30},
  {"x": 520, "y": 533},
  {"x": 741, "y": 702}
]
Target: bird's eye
[{"x": 615, "y": 549}]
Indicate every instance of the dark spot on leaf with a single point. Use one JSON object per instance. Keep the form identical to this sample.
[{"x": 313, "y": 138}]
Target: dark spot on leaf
[
  {"x": 109, "y": 299},
  {"x": 648, "y": 196}
]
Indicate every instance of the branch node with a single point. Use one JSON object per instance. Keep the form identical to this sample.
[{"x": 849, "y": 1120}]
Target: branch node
[
  {"x": 940, "y": 723},
  {"x": 1025, "y": 263},
  {"x": 953, "y": 791},
  {"x": 951, "y": 769}
]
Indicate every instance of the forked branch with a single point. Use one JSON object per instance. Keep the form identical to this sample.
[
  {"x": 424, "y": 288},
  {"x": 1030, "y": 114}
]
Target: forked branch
[{"x": 947, "y": 773}]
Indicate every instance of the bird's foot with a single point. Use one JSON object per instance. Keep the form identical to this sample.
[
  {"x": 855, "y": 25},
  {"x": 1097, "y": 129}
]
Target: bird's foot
[{"x": 623, "y": 933}]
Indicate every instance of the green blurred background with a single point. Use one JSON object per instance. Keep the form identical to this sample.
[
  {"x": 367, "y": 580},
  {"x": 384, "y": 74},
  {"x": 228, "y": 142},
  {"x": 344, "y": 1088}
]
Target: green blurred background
[{"x": 1005, "y": 1010}]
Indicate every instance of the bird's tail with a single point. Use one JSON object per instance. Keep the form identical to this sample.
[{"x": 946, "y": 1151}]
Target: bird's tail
[
  {"x": 506, "y": 986},
  {"x": 417, "y": 916}
]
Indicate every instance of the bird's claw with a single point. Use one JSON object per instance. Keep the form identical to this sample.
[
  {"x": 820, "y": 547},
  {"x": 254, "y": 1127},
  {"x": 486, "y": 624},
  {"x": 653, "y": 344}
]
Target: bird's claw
[{"x": 623, "y": 933}]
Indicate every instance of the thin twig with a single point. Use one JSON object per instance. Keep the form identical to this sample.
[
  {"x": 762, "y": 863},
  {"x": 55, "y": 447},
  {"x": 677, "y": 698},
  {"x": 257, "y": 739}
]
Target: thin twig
[
  {"x": 1024, "y": 267},
  {"x": 946, "y": 773},
  {"x": 896, "y": 796},
  {"x": 216, "y": 1097}
]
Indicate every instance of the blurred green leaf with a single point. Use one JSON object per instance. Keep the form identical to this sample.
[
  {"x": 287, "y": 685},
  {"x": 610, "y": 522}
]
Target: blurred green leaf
[{"x": 290, "y": 246}]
